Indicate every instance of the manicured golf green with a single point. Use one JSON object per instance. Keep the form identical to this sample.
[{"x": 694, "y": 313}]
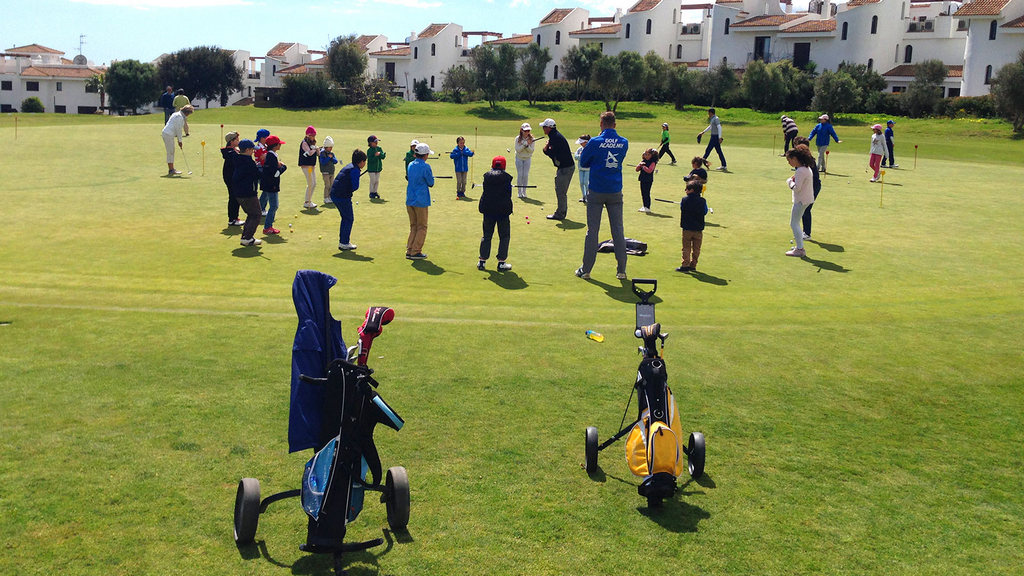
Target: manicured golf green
[{"x": 862, "y": 405}]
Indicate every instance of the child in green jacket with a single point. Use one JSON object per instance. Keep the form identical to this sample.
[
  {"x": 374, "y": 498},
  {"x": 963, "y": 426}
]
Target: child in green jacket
[{"x": 374, "y": 164}]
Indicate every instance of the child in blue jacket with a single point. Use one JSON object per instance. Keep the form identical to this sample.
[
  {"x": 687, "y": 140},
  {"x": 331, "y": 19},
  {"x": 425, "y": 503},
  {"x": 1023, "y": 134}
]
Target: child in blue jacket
[
  {"x": 460, "y": 155},
  {"x": 344, "y": 185}
]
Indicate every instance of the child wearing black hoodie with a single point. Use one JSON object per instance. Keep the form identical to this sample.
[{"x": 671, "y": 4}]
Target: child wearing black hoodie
[
  {"x": 692, "y": 209},
  {"x": 229, "y": 153}
]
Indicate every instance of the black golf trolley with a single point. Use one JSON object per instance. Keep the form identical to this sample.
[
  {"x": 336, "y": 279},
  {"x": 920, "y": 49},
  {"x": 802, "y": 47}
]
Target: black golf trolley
[
  {"x": 654, "y": 441},
  {"x": 334, "y": 481}
]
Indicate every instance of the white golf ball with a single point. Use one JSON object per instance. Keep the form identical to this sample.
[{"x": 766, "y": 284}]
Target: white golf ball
[{"x": 320, "y": 237}]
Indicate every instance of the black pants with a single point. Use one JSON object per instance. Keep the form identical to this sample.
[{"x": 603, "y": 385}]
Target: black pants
[
  {"x": 888, "y": 145},
  {"x": 232, "y": 207},
  {"x": 645, "y": 192},
  {"x": 790, "y": 136},
  {"x": 665, "y": 150},
  {"x": 807, "y": 216},
  {"x": 714, "y": 144},
  {"x": 504, "y": 233}
]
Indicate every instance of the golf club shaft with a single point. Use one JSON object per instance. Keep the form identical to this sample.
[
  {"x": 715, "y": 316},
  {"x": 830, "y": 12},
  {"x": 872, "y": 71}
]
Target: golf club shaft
[
  {"x": 449, "y": 177},
  {"x": 666, "y": 201}
]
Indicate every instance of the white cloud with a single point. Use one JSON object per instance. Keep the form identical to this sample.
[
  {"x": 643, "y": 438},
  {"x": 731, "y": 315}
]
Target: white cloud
[{"x": 144, "y": 4}]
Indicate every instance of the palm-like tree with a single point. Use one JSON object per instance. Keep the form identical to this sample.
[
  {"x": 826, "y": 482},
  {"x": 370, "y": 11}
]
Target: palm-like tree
[{"x": 98, "y": 83}]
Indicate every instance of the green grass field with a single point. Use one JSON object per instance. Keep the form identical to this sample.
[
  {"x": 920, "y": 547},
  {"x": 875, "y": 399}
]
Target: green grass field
[{"x": 862, "y": 406}]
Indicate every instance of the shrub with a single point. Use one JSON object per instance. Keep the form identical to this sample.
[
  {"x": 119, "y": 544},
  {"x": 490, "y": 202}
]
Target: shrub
[
  {"x": 309, "y": 91},
  {"x": 32, "y": 105},
  {"x": 377, "y": 94},
  {"x": 557, "y": 91},
  {"x": 422, "y": 90},
  {"x": 963, "y": 106}
]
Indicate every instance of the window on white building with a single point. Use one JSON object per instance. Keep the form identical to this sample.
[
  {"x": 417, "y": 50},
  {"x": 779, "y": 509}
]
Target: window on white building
[
  {"x": 6, "y": 85},
  {"x": 431, "y": 81},
  {"x": 32, "y": 86},
  {"x": 415, "y": 52},
  {"x": 874, "y": 24},
  {"x": 871, "y": 63},
  {"x": 908, "y": 54},
  {"x": 679, "y": 51},
  {"x": 726, "y": 26},
  {"x": 558, "y": 37},
  {"x": 846, "y": 28},
  {"x": 556, "y": 71},
  {"x": 60, "y": 86},
  {"x": 648, "y": 26},
  {"x": 992, "y": 30},
  {"x": 538, "y": 39},
  {"x": 988, "y": 74},
  {"x": 433, "y": 49},
  {"x": 627, "y": 30}
]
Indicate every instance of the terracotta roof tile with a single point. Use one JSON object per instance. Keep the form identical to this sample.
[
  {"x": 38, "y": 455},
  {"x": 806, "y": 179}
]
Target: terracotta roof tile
[
  {"x": 607, "y": 30},
  {"x": 907, "y": 71},
  {"x": 364, "y": 40},
  {"x": 696, "y": 6},
  {"x": 280, "y": 48},
  {"x": 61, "y": 72},
  {"x": 33, "y": 49},
  {"x": 1018, "y": 23},
  {"x": 982, "y": 8},
  {"x": 556, "y": 16},
  {"x": 855, "y": 3},
  {"x": 768, "y": 20},
  {"x": 644, "y": 5},
  {"x": 514, "y": 39},
  {"x": 432, "y": 30},
  {"x": 814, "y": 26},
  {"x": 403, "y": 51}
]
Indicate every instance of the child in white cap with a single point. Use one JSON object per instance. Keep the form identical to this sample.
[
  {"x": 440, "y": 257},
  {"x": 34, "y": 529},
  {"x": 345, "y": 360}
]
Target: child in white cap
[
  {"x": 327, "y": 162},
  {"x": 524, "y": 153}
]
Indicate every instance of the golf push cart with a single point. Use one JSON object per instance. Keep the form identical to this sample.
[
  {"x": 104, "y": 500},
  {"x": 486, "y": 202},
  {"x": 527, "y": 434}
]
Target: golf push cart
[
  {"x": 654, "y": 441},
  {"x": 333, "y": 411}
]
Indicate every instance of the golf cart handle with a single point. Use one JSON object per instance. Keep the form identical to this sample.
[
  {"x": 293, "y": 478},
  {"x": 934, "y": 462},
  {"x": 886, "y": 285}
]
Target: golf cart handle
[
  {"x": 644, "y": 295},
  {"x": 312, "y": 380}
]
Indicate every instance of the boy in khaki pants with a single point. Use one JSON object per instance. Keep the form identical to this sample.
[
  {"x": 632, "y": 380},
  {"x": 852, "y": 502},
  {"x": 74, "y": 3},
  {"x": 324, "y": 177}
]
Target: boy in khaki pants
[{"x": 692, "y": 209}]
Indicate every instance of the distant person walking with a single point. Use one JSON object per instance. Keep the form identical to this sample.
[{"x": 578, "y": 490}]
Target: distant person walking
[
  {"x": 648, "y": 164},
  {"x": 816, "y": 182},
  {"x": 821, "y": 135},
  {"x": 230, "y": 155},
  {"x": 342, "y": 189},
  {"x": 604, "y": 155},
  {"x": 789, "y": 132},
  {"x": 691, "y": 219},
  {"x": 665, "y": 140},
  {"x": 715, "y": 138},
  {"x": 558, "y": 150},
  {"x": 167, "y": 103},
  {"x": 244, "y": 181},
  {"x": 176, "y": 127},
  {"x": 523, "y": 147},
  {"x": 328, "y": 163}
]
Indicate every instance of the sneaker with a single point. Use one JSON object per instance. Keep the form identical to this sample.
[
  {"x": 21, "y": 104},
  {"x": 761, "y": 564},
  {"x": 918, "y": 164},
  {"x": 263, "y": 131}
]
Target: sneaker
[
  {"x": 263, "y": 213},
  {"x": 344, "y": 246},
  {"x": 873, "y": 180},
  {"x": 554, "y": 217},
  {"x": 309, "y": 205},
  {"x": 711, "y": 210},
  {"x": 584, "y": 200},
  {"x": 236, "y": 223},
  {"x": 581, "y": 274},
  {"x": 251, "y": 242},
  {"x": 174, "y": 172},
  {"x": 522, "y": 196},
  {"x": 374, "y": 196},
  {"x": 417, "y": 256},
  {"x": 721, "y": 168},
  {"x": 504, "y": 266},
  {"x": 684, "y": 269},
  {"x": 894, "y": 165},
  {"x": 672, "y": 164},
  {"x": 271, "y": 230},
  {"x": 806, "y": 236},
  {"x": 480, "y": 265},
  {"x": 797, "y": 252},
  {"x": 460, "y": 196},
  {"x": 620, "y": 275},
  {"x": 644, "y": 209},
  {"x": 328, "y": 201}
]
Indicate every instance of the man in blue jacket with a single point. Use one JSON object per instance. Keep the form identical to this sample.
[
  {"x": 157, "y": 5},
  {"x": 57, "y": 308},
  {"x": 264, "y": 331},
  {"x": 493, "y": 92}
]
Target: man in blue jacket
[
  {"x": 604, "y": 155},
  {"x": 820, "y": 135},
  {"x": 417, "y": 201},
  {"x": 167, "y": 103}
]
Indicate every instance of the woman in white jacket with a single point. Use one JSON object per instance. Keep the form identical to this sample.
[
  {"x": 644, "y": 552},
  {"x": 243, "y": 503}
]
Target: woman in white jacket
[
  {"x": 802, "y": 185},
  {"x": 176, "y": 127},
  {"x": 524, "y": 152}
]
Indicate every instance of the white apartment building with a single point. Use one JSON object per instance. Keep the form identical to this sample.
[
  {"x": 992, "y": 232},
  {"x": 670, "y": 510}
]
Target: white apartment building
[
  {"x": 59, "y": 83},
  {"x": 995, "y": 37}
]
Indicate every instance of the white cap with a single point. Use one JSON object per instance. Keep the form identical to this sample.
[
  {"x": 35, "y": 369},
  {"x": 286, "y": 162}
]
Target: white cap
[
  {"x": 422, "y": 148},
  {"x": 414, "y": 143},
  {"x": 525, "y": 126},
  {"x": 547, "y": 123},
  {"x": 328, "y": 142},
  {"x": 823, "y": 117}
]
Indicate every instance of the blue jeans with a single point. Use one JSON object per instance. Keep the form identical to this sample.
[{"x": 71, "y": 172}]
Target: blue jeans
[
  {"x": 268, "y": 202},
  {"x": 714, "y": 144},
  {"x": 794, "y": 223},
  {"x": 344, "y": 206},
  {"x": 584, "y": 183}
]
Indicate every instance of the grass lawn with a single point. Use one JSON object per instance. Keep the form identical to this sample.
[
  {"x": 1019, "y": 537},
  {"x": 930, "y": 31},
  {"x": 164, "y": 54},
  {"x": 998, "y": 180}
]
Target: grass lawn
[{"x": 862, "y": 406}]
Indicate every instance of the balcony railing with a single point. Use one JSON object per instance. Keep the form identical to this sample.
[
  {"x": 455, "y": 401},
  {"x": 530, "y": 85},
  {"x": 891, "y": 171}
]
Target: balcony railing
[
  {"x": 921, "y": 26},
  {"x": 687, "y": 29},
  {"x": 769, "y": 57}
]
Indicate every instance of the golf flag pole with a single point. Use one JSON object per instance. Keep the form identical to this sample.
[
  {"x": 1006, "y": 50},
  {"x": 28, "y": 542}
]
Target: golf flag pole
[
  {"x": 203, "y": 144},
  {"x": 774, "y": 136},
  {"x": 221, "y": 131},
  {"x": 881, "y": 190},
  {"x": 16, "y": 129},
  {"x": 824, "y": 172},
  {"x": 915, "y": 156},
  {"x": 472, "y": 159}
]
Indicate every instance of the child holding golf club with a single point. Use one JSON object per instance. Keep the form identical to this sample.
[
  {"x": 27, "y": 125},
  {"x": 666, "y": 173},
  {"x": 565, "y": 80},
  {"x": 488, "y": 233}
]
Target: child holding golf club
[
  {"x": 583, "y": 172},
  {"x": 344, "y": 185},
  {"x": 327, "y": 162},
  {"x": 375, "y": 164},
  {"x": 308, "y": 153},
  {"x": 230, "y": 155},
  {"x": 877, "y": 151},
  {"x": 261, "y": 146},
  {"x": 524, "y": 153},
  {"x": 496, "y": 207},
  {"x": 270, "y": 182},
  {"x": 805, "y": 143},
  {"x": 648, "y": 163},
  {"x": 821, "y": 133},
  {"x": 692, "y": 210},
  {"x": 244, "y": 179},
  {"x": 802, "y": 185},
  {"x": 460, "y": 156}
]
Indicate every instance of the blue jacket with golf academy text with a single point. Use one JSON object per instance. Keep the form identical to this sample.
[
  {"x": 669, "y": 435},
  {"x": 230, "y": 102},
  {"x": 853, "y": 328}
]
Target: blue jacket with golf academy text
[
  {"x": 317, "y": 342},
  {"x": 604, "y": 155}
]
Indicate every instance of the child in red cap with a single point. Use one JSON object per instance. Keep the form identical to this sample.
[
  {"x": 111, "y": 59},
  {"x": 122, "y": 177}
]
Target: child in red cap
[{"x": 496, "y": 206}]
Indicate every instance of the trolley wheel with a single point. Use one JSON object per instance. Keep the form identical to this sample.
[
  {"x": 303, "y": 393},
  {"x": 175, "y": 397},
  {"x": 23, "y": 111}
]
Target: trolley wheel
[
  {"x": 591, "y": 449},
  {"x": 396, "y": 485},
  {"x": 247, "y": 510},
  {"x": 695, "y": 454}
]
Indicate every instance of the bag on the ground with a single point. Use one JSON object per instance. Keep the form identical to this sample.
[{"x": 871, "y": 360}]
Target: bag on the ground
[{"x": 633, "y": 247}]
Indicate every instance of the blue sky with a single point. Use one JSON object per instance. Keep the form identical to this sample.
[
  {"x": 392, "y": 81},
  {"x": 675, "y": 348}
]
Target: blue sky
[{"x": 144, "y": 29}]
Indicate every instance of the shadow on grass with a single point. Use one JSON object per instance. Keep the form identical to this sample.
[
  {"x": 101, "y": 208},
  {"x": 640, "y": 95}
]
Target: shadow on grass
[
  {"x": 365, "y": 562},
  {"x": 533, "y": 201},
  {"x": 231, "y": 231},
  {"x": 676, "y": 515},
  {"x": 352, "y": 256},
  {"x": 709, "y": 279},
  {"x": 311, "y": 211},
  {"x": 623, "y": 292},
  {"x": 507, "y": 280},
  {"x": 567, "y": 224},
  {"x": 826, "y": 265},
  {"x": 499, "y": 112},
  {"x": 827, "y": 246},
  {"x": 657, "y": 215},
  {"x": 247, "y": 252},
  {"x": 713, "y": 225},
  {"x": 274, "y": 239},
  {"x": 428, "y": 267},
  {"x": 549, "y": 107},
  {"x": 378, "y": 201}
]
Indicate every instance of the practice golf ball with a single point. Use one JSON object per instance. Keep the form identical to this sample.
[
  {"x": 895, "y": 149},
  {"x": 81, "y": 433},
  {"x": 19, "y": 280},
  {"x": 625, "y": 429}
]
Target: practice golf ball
[{"x": 320, "y": 237}]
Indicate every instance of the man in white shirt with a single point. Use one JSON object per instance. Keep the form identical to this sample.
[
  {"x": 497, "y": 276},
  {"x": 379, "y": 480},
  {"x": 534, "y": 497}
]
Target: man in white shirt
[{"x": 715, "y": 142}]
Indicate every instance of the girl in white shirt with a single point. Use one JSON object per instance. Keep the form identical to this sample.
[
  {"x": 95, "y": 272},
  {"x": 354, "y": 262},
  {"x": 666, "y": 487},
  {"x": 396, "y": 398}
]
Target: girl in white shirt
[
  {"x": 877, "y": 150},
  {"x": 524, "y": 152},
  {"x": 802, "y": 185}
]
